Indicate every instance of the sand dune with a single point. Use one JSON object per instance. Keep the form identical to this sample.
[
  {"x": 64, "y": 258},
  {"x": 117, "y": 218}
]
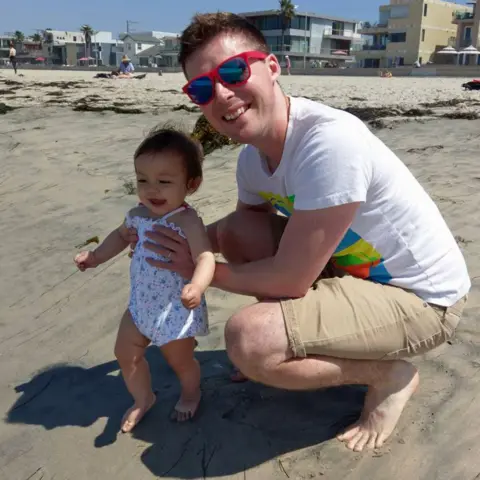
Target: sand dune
[{"x": 64, "y": 178}]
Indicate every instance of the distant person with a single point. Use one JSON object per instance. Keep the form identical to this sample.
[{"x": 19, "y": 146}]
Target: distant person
[
  {"x": 13, "y": 57},
  {"x": 164, "y": 309},
  {"x": 126, "y": 68},
  {"x": 288, "y": 64}
]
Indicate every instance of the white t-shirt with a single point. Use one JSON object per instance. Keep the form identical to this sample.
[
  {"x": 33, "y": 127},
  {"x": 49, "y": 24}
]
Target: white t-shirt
[
  {"x": 398, "y": 235},
  {"x": 13, "y": 52}
]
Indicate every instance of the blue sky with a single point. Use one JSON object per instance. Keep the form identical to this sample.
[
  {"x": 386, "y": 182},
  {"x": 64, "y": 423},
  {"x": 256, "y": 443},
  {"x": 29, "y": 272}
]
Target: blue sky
[{"x": 110, "y": 15}]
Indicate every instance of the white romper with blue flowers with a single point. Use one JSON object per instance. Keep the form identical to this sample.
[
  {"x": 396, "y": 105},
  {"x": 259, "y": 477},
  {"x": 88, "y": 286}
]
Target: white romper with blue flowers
[{"x": 155, "y": 304}]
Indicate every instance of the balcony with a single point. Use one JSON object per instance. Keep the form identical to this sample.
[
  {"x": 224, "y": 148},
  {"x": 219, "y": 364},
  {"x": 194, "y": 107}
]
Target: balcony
[
  {"x": 374, "y": 29},
  {"x": 373, "y": 47},
  {"x": 340, "y": 34},
  {"x": 463, "y": 17}
]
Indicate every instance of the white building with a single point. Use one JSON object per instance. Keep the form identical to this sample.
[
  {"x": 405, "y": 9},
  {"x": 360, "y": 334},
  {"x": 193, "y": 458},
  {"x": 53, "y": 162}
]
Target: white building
[
  {"x": 67, "y": 48},
  {"x": 164, "y": 54},
  {"x": 137, "y": 42},
  {"x": 309, "y": 37}
]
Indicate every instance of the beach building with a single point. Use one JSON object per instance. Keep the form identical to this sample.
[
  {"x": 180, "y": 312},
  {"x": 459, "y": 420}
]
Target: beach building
[
  {"x": 68, "y": 48},
  {"x": 468, "y": 32},
  {"x": 162, "y": 55},
  {"x": 136, "y": 43},
  {"x": 5, "y": 45},
  {"x": 408, "y": 31},
  {"x": 310, "y": 39}
]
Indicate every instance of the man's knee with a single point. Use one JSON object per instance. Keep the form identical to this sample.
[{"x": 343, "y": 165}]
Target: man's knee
[{"x": 242, "y": 342}]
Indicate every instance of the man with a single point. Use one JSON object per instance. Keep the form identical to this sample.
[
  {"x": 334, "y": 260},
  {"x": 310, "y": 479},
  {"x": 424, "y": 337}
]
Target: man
[
  {"x": 288, "y": 64},
  {"x": 13, "y": 57},
  {"x": 343, "y": 195},
  {"x": 126, "y": 68}
]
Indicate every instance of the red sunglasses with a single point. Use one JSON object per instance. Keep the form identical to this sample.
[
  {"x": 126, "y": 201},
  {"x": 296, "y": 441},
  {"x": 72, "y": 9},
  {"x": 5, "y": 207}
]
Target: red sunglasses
[{"x": 232, "y": 72}]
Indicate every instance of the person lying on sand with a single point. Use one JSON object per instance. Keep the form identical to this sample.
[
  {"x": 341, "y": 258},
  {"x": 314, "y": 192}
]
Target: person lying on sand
[
  {"x": 314, "y": 183},
  {"x": 164, "y": 309}
]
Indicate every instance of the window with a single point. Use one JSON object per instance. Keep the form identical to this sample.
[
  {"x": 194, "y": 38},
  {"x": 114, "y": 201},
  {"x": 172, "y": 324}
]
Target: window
[
  {"x": 468, "y": 33},
  {"x": 398, "y": 37},
  {"x": 425, "y": 10},
  {"x": 139, "y": 46},
  {"x": 74, "y": 38},
  {"x": 423, "y": 34}
]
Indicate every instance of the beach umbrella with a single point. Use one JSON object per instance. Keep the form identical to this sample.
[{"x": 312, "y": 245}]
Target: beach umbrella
[
  {"x": 471, "y": 50},
  {"x": 447, "y": 51},
  {"x": 39, "y": 59},
  {"x": 339, "y": 52}
]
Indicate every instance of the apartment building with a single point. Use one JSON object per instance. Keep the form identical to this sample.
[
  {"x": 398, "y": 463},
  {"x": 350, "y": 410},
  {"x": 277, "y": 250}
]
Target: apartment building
[
  {"x": 468, "y": 28},
  {"x": 67, "y": 48},
  {"x": 309, "y": 38},
  {"x": 409, "y": 30},
  {"x": 135, "y": 43},
  {"x": 163, "y": 55},
  {"x": 5, "y": 45}
]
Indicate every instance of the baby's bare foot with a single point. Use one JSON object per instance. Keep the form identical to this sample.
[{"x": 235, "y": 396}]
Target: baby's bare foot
[
  {"x": 134, "y": 415},
  {"x": 384, "y": 404},
  {"x": 186, "y": 407}
]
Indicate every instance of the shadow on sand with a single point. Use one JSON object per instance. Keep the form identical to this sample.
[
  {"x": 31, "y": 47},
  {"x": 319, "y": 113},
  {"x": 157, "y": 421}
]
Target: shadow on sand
[{"x": 238, "y": 427}]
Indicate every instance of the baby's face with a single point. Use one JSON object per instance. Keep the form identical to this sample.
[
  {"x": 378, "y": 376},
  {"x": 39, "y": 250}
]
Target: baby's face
[{"x": 161, "y": 181}]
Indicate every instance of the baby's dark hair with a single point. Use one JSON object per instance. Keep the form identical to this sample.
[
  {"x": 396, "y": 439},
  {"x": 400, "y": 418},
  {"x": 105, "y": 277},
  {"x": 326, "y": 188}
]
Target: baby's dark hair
[{"x": 172, "y": 140}]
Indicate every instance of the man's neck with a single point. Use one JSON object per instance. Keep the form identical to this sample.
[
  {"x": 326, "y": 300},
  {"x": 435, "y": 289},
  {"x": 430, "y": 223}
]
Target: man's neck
[{"x": 271, "y": 146}]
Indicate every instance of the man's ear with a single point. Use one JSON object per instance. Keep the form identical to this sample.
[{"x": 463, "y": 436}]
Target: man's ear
[
  {"x": 274, "y": 66},
  {"x": 193, "y": 185}
]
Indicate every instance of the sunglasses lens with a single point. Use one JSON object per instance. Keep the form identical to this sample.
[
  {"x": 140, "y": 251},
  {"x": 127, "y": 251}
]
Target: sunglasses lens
[
  {"x": 234, "y": 71},
  {"x": 201, "y": 90}
]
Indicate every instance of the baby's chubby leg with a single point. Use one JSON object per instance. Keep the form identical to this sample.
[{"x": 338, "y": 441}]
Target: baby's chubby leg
[
  {"x": 179, "y": 355},
  {"x": 130, "y": 352}
]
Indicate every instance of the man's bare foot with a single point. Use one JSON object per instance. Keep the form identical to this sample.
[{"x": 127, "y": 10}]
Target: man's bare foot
[
  {"x": 134, "y": 415},
  {"x": 186, "y": 407},
  {"x": 384, "y": 404}
]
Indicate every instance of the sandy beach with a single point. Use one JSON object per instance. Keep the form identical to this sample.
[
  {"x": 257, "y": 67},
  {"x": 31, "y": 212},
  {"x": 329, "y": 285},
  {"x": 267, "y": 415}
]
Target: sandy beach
[{"x": 66, "y": 169}]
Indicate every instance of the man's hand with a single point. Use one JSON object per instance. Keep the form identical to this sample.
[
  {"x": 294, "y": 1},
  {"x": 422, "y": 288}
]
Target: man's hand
[
  {"x": 191, "y": 296},
  {"x": 167, "y": 242},
  {"x": 86, "y": 260}
]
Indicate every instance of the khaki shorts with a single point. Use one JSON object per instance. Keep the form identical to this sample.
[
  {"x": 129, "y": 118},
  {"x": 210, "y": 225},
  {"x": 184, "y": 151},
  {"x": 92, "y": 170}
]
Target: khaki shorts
[{"x": 353, "y": 318}]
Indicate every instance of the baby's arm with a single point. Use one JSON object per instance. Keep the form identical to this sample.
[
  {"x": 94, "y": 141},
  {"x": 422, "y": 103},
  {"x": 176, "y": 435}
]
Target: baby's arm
[
  {"x": 114, "y": 243},
  {"x": 202, "y": 256}
]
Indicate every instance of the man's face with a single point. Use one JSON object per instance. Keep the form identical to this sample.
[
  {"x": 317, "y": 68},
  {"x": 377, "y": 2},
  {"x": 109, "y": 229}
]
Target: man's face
[{"x": 241, "y": 113}]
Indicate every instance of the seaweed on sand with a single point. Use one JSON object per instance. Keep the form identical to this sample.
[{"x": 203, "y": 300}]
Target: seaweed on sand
[{"x": 210, "y": 139}]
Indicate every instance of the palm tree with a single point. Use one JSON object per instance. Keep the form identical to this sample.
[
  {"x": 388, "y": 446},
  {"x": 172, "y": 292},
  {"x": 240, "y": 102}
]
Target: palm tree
[
  {"x": 286, "y": 12},
  {"x": 19, "y": 37},
  {"x": 36, "y": 37},
  {"x": 88, "y": 32}
]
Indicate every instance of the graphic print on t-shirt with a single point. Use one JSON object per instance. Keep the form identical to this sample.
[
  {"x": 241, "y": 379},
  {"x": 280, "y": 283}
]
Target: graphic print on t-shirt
[{"x": 353, "y": 255}]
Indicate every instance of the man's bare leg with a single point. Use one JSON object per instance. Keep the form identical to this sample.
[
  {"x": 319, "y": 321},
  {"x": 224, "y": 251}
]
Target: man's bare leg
[
  {"x": 245, "y": 236},
  {"x": 257, "y": 344}
]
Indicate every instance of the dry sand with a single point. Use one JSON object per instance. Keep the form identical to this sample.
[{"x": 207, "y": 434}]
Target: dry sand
[{"x": 63, "y": 180}]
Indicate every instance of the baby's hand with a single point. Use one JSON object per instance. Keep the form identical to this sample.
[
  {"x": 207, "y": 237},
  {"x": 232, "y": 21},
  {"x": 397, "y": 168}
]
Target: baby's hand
[
  {"x": 85, "y": 260},
  {"x": 191, "y": 296}
]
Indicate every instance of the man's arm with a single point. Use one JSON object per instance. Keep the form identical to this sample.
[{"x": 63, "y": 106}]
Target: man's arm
[{"x": 309, "y": 240}]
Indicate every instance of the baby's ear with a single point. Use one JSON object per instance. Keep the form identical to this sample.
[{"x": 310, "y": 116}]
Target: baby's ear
[{"x": 193, "y": 185}]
